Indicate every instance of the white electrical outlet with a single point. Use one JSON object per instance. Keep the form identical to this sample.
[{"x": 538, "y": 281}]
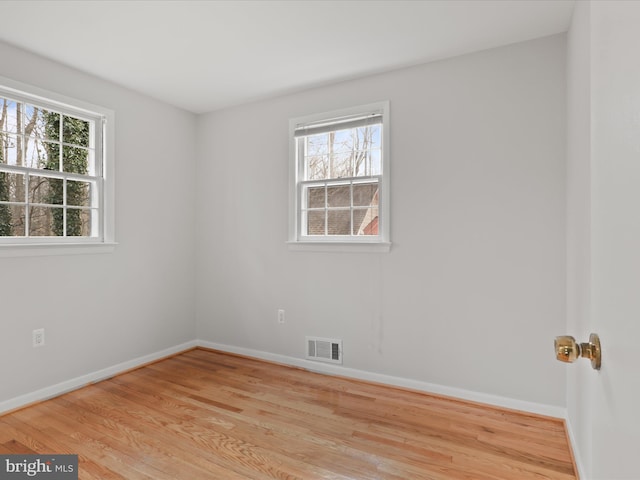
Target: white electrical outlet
[
  {"x": 280, "y": 316},
  {"x": 38, "y": 337}
]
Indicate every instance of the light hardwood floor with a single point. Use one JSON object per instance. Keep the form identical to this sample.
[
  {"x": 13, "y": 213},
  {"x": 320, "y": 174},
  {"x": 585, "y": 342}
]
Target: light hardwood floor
[{"x": 210, "y": 415}]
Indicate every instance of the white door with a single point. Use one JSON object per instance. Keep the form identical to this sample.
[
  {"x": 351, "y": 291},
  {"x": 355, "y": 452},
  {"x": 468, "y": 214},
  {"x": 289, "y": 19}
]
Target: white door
[{"x": 615, "y": 239}]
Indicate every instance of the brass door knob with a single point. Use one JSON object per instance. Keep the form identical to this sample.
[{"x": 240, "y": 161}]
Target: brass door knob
[{"x": 568, "y": 350}]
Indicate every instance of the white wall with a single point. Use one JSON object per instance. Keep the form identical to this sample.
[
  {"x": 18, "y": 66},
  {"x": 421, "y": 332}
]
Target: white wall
[
  {"x": 473, "y": 291},
  {"x": 101, "y": 310}
]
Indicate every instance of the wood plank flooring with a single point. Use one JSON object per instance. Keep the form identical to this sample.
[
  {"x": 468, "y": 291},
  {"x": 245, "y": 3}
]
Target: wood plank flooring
[{"x": 209, "y": 415}]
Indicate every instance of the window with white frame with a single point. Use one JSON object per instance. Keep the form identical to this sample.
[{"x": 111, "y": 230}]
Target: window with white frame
[
  {"x": 52, "y": 170},
  {"x": 341, "y": 177}
]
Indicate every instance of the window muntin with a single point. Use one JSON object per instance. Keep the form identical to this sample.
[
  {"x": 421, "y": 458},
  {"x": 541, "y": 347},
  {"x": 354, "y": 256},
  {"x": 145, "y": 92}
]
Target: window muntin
[
  {"x": 51, "y": 172},
  {"x": 341, "y": 177}
]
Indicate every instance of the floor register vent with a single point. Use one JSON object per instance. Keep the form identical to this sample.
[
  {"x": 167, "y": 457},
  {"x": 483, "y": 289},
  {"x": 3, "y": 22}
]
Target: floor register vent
[{"x": 324, "y": 349}]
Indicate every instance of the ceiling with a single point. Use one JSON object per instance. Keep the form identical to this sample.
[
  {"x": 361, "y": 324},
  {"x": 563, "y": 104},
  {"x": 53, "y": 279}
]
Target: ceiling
[{"x": 207, "y": 55}]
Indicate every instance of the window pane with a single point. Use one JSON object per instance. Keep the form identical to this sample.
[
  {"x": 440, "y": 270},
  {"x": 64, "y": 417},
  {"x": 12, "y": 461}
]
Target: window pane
[
  {"x": 366, "y": 221},
  {"x": 315, "y": 222},
  {"x": 376, "y": 162},
  {"x": 78, "y": 223},
  {"x": 339, "y": 222},
  {"x": 9, "y": 115},
  {"x": 339, "y": 196},
  {"x": 317, "y": 167},
  {"x": 91, "y": 162},
  {"x": 75, "y": 159},
  {"x": 367, "y": 137},
  {"x": 315, "y": 197},
  {"x": 41, "y": 124},
  {"x": 10, "y": 149},
  {"x": 342, "y": 141},
  {"x": 316, "y": 156},
  {"x": 361, "y": 163},
  {"x": 76, "y": 131},
  {"x": 46, "y": 190},
  {"x": 344, "y": 153},
  {"x": 366, "y": 163},
  {"x": 40, "y": 154},
  {"x": 79, "y": 193},
  {"x": 45, "y": 222},
  {"x": 317, "y": 144},
  {"x": 12, "y": 220},
  {"x": 11, "y": 187},
  {"x": 364, "y": 194},
  {"x": 341, "y": 165}
]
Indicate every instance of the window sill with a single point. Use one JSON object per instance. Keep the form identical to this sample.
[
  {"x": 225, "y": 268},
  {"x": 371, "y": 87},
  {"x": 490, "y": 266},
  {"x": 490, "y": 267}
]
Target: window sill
[
  {"x": 340, "y": 247},
  {"x": 41, "y": 249}
]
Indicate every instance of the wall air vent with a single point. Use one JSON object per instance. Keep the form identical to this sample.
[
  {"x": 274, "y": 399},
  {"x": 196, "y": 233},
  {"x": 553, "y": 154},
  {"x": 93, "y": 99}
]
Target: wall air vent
[{"x": 324, "y": 349}]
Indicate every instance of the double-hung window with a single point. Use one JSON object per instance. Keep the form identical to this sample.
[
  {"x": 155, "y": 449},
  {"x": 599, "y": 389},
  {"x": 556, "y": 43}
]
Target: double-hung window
[
  {"x": 340, "y": 178},
  {"x": 53, "y": 170}
]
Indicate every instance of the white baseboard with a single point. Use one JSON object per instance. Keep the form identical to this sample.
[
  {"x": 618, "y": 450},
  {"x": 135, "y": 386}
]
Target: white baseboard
[
  {"x": 495, "y": 400},
  {"x": 78, "y": 382},
  {"x": 576, "y": 453}
]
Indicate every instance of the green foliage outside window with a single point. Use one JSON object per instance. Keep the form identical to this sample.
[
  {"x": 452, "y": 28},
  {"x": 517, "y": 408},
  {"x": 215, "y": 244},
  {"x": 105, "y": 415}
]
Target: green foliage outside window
[
  {"x": 76, "y": 132},
  {"x": 5, "y": 213}
]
